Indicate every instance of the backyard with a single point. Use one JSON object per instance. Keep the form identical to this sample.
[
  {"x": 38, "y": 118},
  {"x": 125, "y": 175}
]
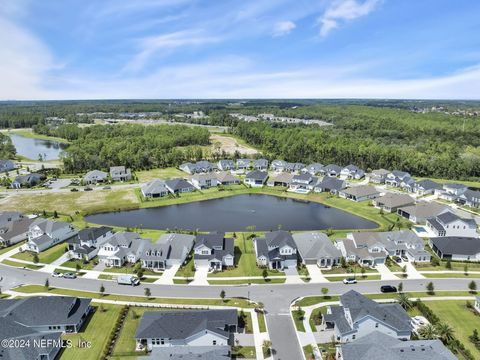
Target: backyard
[{"x": 48, "y": 256}]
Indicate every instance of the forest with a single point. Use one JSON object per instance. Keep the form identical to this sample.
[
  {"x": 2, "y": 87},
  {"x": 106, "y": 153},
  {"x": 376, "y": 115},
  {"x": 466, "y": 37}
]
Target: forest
[{"x": 7, "y": 150}]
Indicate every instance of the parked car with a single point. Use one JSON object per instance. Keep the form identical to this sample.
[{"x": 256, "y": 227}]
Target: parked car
[
  {"x": 73, "y": 189},
  {"x": 397, "y": 259},
  {"x": 57, "y": 274},
  {"x": 350, "y": 281},
  {"x": 404, "y": 258},
  {"x": 88, "y": 189},
  {"x": 107, "y": 187},
  {"x": 388, "y": 289},
  {"x": 69, "y": 275}
]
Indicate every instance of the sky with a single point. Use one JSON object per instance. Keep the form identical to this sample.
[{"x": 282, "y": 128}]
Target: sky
[{"x": 170, "y": 49}]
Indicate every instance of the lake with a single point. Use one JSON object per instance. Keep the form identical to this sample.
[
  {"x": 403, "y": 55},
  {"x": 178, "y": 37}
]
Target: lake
[
  {"x": 31, "y": 148},
  {"x": 235, "y": 213}
]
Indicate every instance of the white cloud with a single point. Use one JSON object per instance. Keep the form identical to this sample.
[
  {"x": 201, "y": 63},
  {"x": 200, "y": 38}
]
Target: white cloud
[
  {"x": 344, "y": 10},
  {"x": 282, "y": 28}
]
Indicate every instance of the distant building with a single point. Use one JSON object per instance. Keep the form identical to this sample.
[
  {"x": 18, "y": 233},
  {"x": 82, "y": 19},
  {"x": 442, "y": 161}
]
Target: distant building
[
  {"x": 154, "y": 189},
  {"x": 94, "y": 177},
  {"x": 120, "y": 173}
]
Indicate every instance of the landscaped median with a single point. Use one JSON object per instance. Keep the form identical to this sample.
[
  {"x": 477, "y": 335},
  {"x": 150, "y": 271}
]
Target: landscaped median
[{"x": 21, "y": 264}]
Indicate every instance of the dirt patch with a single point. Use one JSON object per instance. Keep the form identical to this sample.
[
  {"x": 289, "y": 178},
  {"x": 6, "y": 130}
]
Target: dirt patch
[{"x": 230, "y": 145}]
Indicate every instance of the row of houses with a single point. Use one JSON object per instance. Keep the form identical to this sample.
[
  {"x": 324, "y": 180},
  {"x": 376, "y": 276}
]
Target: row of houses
[{"x": 116, "y": 173}]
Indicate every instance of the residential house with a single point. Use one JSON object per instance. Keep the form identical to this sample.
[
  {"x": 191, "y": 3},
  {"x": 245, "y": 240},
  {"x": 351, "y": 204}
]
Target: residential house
[
  {"x": 426, "y": 187},
  {"x": 450, "y": 224},
  {"x": 260, "y": 164},
  {"x": 281, "y": 179},
  {"x": 85, "y": 244},
  {"x": 40, "y": 320},
  {"x": 294, "y": 167},
  {"x": 276, "y": 250},
  {"x": 278, "y": 165},
  {"x": 204, "y": 181},
  {"x": 188, "y": 352},
  {"x": 393, "y": 243},
  {"x": 214, "y": 251},
  {"x": 188, "y": 167},
  {"x": 94, "y": 177},
  {"x": 6, "y": 165},
  {"x": 316, "y": 248},
  {"x": 186, "y": 328},
  {"x": 178, "y": 186},
  {"x": 330, "y": 184},
  {"x": 421, "y": 211},
  {"x": 256, "y": 178},
  {"x": 12, "y": 232},
  {"x": 226, "y": 178},
  {"x": 378, "y": 345},
  {"x": 122, "y": 247},
  {"x": 313, "y": 169},
  {"x": 365, "y": 251},
  {"x": 170, "y": 250},
  {"x": 243, "y": 164},
  {"x": 469, "y": 198},
  {"x": 120, "y": 173},
  {"x": 408, "y": 184},
  {"x": 378, "y": 176},
  {"x": 396, "y": 178},
  {"x": 9, "y": 216},
  {"x": 154, "y": 189},
  {"x": 226, "y": 165},
  {"x": 351, "y": 172},
  {"x": 332, "y": 170},
  {"x": 360, "y": 193},
  {"x": 358, "y": 317},
  {"x": 43, "y": 234},
  {"x": 28, "y": 180},
  {"x": 391, "y": 202},
  {"x": 456, "y": 248},
  {"x": 205, "y": 166},
  {"x": 304, "y": 182}
]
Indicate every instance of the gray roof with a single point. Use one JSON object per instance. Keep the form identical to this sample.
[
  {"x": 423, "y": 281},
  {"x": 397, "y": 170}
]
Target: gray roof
[
  {"x": 260, "y": 163},
  {"x": 380, "y": 172},
  {"x": 15, "y": 228},
  {"x": 359, "y": 307},
  {"x": 178, "y": 184},
  {"x": 156, "y": 186},
  {"x": 244, "y": 162},
  {"x": 279, "y": 163},
  {"x": 29, "y": 178},
  {"x": 360, "y": 191},
  {"x": 9, "y": 216},
  {"x": 389, "y": 239},
  {"x": 333, "y": 168},
  {"x": 282, "y": 177},
  {"x": 123, "y": 238},
  {"x": 427, "y": 184},
  {"x": 225, "y": 176},
  {"x": 304, "y": 177},
  {"x": 48, "y": 226},
  {"x": 226, "y": 163},
  {"x": 215, "y": 240},
  {"x": 424, "y": 209},
  {"x": 449, "y": 217},
  {"x": 379, "y": 346},
  {"x": 400, "y": 174},
  {"x": 454, "y": 186},
  {"x": 471, "y": 195},
  {"x": 331, "y": 183},
  {"x": 315, "y": 245},
  {"x": 394, "y": 200},
  {"x": 270, "y": 244},
  {"x": 170, "y": 246},
  {"x": 457, "y": 245},
  {"x": 188, "y": 353},
  {"x": 315, "y": 168},
  {"x": 257, "y": 175},
  {"x": 180, "y": 325},
  {"x": 95, "y": 174},
  {"x": 93, "y": 233}
]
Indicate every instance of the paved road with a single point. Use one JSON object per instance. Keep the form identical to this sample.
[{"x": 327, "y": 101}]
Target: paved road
[{"x": 276, "y": 297}]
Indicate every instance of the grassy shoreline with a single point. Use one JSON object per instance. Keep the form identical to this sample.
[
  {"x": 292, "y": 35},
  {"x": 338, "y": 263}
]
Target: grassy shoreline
[{"x": 30, "y": 134}]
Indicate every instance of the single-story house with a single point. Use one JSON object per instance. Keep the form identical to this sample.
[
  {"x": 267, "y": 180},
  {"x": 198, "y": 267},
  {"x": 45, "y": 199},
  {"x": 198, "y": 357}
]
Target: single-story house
[
  {"x": 276, "y": 250},
  {"x": 169, "y": 250},
  {"x": 6, "y": 165},
  {"x": 256, "y": 178},
  {"x": 43, "y": 234},
  {"x": 304, "y": 182},
  {"x": 226, "y": 165},
  {"x": 360, "y": 193},
  {"x": 188, "y": 167},
  {"x": 94, "y": 177},
  {"x": 282, "y": 179},
  {"x": 426, "y": 187},
  {"x": 316, "y": 248},
  {"x": 186, "y": 328},
  {"x": 13, "y": 232},
  {"x": 260, "y": 164},
  {"x": 204, "y": 181},
  {"x": 391, "y": 202},
  {"x": 28, "y": 180},
  {"x": 177, "y": 186},
  {"x": 456, "y": 248},
  {"x": 330, "y": 184},
  {"x": 332, "y": 170},
  {"x": 226, "y": 178},
  {"x": 154, "y": 189},
  {"x": 294, "y": 167},
  {"x": 351, "y": 172},
  {"x": 243, "y": 164},
  {"x": 378, "y": 176},
  {"x": 214, "y": 251},
  {"x": 450, "y": 224},
  {"x": 421, "y": 211},
  {"x": 120, "y": 173},
  {"x": 278, "y": 165}
]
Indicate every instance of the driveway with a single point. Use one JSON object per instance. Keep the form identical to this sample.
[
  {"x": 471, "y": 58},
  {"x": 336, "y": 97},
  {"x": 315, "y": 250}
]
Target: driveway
[
  {"x": 316, "y": 275},
  {"x": 60, "y": 183},
  {"x": 292, "y": 276},
  {"x": 385, "y": 273},
  {"x": 201, "y": 274},
  {"x": 168, "y": 275},
  {"x": 412, "y": 272}
]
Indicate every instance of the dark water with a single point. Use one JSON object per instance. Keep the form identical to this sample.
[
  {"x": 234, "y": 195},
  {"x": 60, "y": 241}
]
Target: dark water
[
  {"x": 31, "y": 148},
  {"x": 235, "y": 213}
]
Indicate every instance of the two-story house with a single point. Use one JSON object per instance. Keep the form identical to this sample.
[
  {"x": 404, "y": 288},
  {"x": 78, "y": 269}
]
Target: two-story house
[
  {"x": 85, "y": 244},
  {"x": 313, "y": 169},
  {"x": 276, "y": 250},
  {"x": 226, "y": 165},
  {"x": 204, "y": 181},
  {"x": 396, "y": 178},
  {"x": 256, "y": 178},
  {"x": 120, "y": 173},
  {"x": 213, "y": 251},
  {"x": 169, "y": 250},
  {"x": 304, "y": 182},
  {"x": 122, "y": 247},
  {"x": 450, "y": 224},
  {"x": 378, "y": 176},
  {"x": 260, "y": 164},
  {"x": 243, "y": 165},
  {"x": 366, "y": 252},
  {"x": 43, "y": 234},
  {"x": 351, "y": 172}
]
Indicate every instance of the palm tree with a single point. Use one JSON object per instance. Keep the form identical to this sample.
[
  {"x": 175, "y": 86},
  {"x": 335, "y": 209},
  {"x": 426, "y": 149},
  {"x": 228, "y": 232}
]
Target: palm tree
[
  {"x": 404, "y": 301},
  {"x": 445, "y": 332},
  {"x": 428, "y": 332}
]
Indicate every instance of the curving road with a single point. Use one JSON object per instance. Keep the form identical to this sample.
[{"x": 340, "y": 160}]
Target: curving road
[{"x": 276, "y": 297}]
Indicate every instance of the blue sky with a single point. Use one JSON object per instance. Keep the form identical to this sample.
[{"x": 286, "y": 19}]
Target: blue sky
[{"x": 81, "y": 49}]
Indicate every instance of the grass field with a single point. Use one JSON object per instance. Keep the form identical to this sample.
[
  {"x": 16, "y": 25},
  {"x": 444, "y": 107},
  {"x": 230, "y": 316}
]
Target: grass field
[
  {"x": 48, "y": 256},
  {"x": 188, "y": 270},
  {"x": 167, "y": 173},
  {"x": 244, "y": 352},
  {"x": 298, "y": 320},
  {"x": 453, "y": 275},
  {"x": 73, "y": 264},
  {"x": 3, "y": 250},
  {"x": 21, "y": 265},
  {"x": 96, "y": 330},
  {"x": 462, "y": 320},
  {"x": 262, "y": 322},
  {"x": 351, "y": 268}
]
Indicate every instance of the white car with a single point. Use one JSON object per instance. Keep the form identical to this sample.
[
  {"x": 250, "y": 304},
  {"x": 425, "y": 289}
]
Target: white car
[
  {"x": 57, "y": 274},
  {"x": 419, "y": 322},
  {"x": 350, "y": 281}
]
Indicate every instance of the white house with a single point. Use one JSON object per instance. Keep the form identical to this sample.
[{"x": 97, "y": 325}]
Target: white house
[
  {"x": 276, "y": 250},
  {"x": 122, "y": 247},
  {"x": 43, "y": 234},
  {"x": 450, "y": 224},
  {"x": 213, "y": 251}
]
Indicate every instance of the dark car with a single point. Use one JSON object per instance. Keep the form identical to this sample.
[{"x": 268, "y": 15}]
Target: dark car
[
  {"x": 74, "y": 189},
  {"x": 388, "y": 289},
  {"x": 88, "y": 189}
]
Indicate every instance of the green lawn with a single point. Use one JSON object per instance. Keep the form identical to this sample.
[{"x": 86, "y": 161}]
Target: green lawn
[
  {"x": 298, "y": 319},
  {"x": 262, "y": 322},
  {"x": 167, "y": 173},
  {"x": 188, "y": 270},
  {"x": 454, "y": 275},
  {"x": 308, "y": 351},
  {"x": 32, "y": 289},
  {"x": 73, "y": 264},
  {"x": 96, "y": 331},
  {"x": 245, "y": 262},
  {"x": 462, "y": 320},
  {"x": 21, "y": 265},
  {"x": 3, "y": 250},
  {"x": 106, "y": 277},
  {"x": 350, "y": 269},
  {"x": 358, "y": 277},
  {"x": 251, "y": 281},
  {"x": 458, "y": 266},
  {"x": 244, "y": 352},
  {"x": 47, "y": 257},
  {"x": 248, "y": 323}
]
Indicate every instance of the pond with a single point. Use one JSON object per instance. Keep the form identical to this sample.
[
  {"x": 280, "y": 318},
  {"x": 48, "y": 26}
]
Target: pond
[
  {"x": 235, "y": 213},
  {"x": 34, "y": 148}
]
